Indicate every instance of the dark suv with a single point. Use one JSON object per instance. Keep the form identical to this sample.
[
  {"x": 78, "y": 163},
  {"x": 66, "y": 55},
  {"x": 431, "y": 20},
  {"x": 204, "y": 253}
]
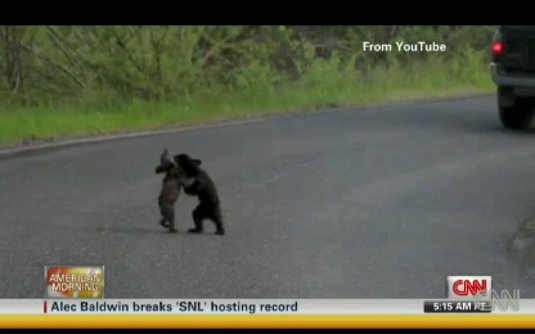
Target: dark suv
[{"x": 513, "y": 71}]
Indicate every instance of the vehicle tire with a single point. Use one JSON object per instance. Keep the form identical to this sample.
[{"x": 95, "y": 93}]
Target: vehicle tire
[{"x": 517, "y": 115}]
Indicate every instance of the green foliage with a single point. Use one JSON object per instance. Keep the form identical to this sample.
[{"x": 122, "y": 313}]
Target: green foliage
[{"x": 85, "y": 79}]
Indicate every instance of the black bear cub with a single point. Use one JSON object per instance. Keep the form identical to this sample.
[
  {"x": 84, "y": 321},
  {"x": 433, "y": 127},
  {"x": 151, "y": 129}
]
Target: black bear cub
[
  {"x": 197, "y": 182},
  {"x": 170, "y": 190}
]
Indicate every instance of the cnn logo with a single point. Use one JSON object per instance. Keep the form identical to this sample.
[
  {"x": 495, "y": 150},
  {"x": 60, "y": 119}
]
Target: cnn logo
[{"x": 467, "y": 287}]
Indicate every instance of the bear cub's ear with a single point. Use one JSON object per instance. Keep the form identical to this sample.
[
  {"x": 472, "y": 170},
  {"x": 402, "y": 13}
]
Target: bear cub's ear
[{"x": 185, "y": 160}]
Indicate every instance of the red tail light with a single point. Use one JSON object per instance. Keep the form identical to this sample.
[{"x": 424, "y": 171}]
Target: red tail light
[
  {"x": 497, "y": 43},
  {"x": 497, "y": 47}
]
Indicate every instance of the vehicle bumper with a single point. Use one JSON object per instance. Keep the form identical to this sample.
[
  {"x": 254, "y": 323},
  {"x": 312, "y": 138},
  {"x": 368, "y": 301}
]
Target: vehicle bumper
[{"x": 522, "y": 86}]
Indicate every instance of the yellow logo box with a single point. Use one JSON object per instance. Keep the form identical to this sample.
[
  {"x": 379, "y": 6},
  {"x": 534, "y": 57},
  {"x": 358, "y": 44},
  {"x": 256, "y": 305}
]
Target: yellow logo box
[{"x": 74, "y": 282}]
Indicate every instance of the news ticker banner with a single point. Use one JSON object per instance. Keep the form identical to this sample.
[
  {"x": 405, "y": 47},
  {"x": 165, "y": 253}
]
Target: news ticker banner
[
  {"x": 250, "y": 307},
  {"x": 80, "y": 290}
]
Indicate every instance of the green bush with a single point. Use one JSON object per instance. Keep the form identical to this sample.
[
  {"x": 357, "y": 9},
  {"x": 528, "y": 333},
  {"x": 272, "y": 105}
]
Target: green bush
[{"x": 70, "y": 80}]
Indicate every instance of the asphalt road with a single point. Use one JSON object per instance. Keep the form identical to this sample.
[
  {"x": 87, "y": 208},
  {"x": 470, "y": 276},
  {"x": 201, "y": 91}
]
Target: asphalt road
[{"x": 380, "y": 202}]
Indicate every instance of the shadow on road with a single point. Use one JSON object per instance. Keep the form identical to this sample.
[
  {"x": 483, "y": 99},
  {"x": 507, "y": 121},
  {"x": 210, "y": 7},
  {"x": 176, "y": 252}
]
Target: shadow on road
[
  {"x": 142, "y": 230},
  {"x": 472, "y": 124},
  {"x": 126, "y": 230},
  {"x": 522, "y": 246},
  {"x": 131, "y": 230}
]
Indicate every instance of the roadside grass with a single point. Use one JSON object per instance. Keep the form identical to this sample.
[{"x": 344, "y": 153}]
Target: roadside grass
[{"x": 326, "y": 84}]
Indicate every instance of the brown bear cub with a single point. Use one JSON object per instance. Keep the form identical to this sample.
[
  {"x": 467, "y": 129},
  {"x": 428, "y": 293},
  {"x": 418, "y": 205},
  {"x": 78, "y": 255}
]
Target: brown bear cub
[{"x": 170, "y": 190}]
